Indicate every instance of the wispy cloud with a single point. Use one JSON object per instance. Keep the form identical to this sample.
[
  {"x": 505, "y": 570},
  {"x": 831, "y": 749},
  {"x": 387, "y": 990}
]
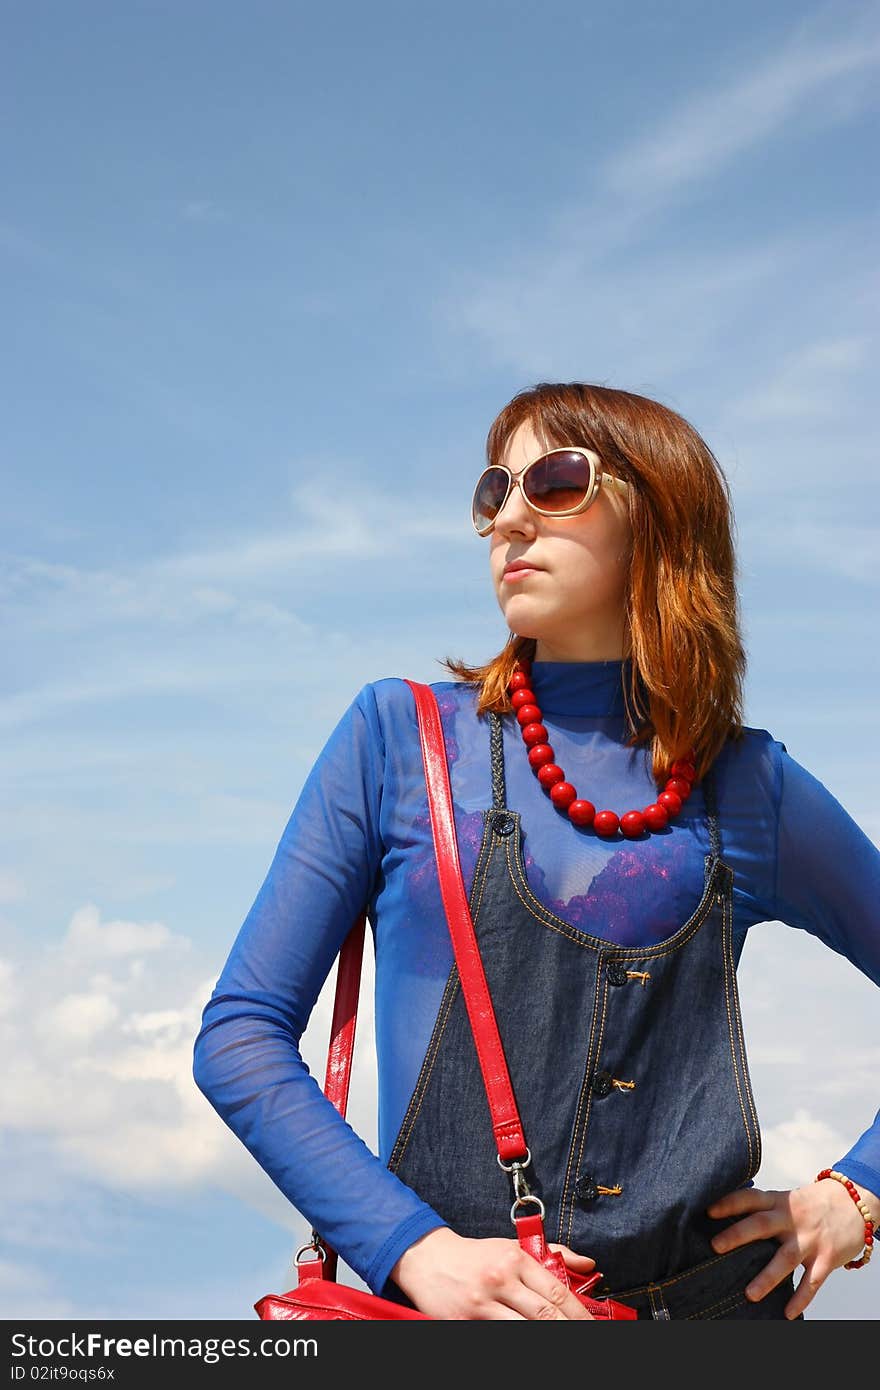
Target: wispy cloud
[
  {"x": 846, "y": 548},
  {"x": 807, "y": 383},
  {"x": 811, "y": 79}
]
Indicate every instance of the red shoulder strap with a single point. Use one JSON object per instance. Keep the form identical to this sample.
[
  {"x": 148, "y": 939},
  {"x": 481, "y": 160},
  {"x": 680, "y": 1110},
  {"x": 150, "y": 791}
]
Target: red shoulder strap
[{"x": 506, "y": 1123}]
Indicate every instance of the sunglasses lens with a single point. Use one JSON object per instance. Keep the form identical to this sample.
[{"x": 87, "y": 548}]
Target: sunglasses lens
[
  {"x": 489, "y": 496},
  {"x": 560, "y": 481}
]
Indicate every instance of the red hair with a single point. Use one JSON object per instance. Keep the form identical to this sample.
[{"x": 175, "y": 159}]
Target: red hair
[{"x": 682, "y": 609}]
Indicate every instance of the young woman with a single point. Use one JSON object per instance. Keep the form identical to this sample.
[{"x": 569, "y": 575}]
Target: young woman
[{"x": 620, "y": 831}]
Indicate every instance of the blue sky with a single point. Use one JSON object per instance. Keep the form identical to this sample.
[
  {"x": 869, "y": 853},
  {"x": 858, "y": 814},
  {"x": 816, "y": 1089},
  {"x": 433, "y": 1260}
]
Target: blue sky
[{"x": 269, "y": 273}]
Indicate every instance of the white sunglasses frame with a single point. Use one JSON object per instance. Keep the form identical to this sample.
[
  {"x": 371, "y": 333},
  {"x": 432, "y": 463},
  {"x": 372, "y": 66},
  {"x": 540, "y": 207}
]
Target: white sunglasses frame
[{"x": 599, "y": 477}]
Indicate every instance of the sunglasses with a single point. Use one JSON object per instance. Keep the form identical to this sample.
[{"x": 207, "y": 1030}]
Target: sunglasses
[{"x": 563, "y": 482}]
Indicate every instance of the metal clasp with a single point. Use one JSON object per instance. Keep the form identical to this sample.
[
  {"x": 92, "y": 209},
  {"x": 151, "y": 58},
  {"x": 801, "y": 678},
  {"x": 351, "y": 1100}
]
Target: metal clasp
[{"x": 521, "y": 1188}]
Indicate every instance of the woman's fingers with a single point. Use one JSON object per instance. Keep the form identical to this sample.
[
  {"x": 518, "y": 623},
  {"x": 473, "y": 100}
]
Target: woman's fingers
[
  {"x": 760, "y": 1225},
  {"x": 571, "y": 1257},
  {"x": 812, "y": 1279},
  {"x": 742, "y": 1200},
  {"x": 780, "y": 1266},
  {"x": 546, "y": 1298}
]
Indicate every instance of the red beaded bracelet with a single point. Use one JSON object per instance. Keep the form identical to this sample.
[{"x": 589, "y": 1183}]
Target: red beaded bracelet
[{"x": 863, "y": 1211}]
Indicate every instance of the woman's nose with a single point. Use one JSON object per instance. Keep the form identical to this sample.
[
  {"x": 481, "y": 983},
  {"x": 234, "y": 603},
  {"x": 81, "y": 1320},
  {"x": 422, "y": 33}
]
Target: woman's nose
[{"x": 516, "y": 515}]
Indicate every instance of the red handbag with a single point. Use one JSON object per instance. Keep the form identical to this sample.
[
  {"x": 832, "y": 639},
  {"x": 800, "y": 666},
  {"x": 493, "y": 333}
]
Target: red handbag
[{"x": 318, "y": 1296}]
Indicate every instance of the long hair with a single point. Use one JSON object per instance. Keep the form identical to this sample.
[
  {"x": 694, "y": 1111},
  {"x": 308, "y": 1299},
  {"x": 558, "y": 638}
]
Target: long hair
[{"x": 687, "y": 661}]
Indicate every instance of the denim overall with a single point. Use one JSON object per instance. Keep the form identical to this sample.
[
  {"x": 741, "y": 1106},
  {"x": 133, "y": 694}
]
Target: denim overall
[{"x": 629, "y": 1069}]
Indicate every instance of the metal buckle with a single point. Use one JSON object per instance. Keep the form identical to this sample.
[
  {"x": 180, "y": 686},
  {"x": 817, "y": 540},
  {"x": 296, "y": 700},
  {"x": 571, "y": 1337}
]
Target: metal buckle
[{"x": 313, "y": 1244}]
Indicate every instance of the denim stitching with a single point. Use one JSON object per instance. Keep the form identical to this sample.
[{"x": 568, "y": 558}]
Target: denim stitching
[
  {"x": 728, "y": 971},
  {"x": 728, "y": 1307},
  {"x": 659, "y": 1310},
  {"x": 662, "y": 1301},
  {"x": 588, "y": 1090},
  {"x": 565, "y": 1184},
  {"x": 756, "y": 1162},
  {"x": 427, "y": 1068},
  {"x": 485, "y": 859},
  {"x": 738, "y": 1296},
  {"x": 675, "y": 1278},
  {"x": 448, "y": 998},
  {"x": 598, "y": 943}
]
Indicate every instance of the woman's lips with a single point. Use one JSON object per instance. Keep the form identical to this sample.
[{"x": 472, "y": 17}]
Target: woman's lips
[{"x": 521, "y": 572}]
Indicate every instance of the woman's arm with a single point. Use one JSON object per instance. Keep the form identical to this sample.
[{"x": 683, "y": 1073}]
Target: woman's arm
[
  {"x": 828, "y": 883},
  {"x": 246, "y": 1058}
]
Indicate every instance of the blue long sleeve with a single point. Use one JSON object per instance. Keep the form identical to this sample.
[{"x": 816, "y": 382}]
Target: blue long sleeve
[
  {"x": 360, "y": 836},
  {"x": 246, "y": 1057},
  {"x": 828, "y": 884}
]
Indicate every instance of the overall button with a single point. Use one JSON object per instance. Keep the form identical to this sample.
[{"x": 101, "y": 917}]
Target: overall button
[
  {"x": 502, "y": 823},
  {"x": 616, "y": 971},
  {"x": 585, "y": 1188},
  {"x": 603, "y": 1083}
]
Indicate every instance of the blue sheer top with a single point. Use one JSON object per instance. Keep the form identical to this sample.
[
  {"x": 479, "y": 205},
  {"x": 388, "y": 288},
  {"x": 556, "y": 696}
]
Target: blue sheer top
[{"x": 360, "y": 834}]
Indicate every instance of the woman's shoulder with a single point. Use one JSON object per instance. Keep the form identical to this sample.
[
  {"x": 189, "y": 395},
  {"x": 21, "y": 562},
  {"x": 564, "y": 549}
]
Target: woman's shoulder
[
  {"x": 394, "y": 700},
  {"x": 750, "y": 763},
  {"x": 752, "y": 743}
]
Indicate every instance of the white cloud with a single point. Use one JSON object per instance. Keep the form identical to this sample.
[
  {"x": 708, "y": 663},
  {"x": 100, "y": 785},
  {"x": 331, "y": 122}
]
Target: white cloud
[
  {"x": 98, "y": 1039},
  {"x": 87, "y": 935},
  {"x": 810, "y": 79},
  {"x": 80, "y": 1017},
  {"x": 803, "y": 387},
  {"x": 796, "y": 1149},
  {"x": 599, "y": 306}
]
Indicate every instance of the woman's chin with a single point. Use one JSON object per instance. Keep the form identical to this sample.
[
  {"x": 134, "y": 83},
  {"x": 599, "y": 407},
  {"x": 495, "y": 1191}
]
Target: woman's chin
[{"x": 521, "y": 617}]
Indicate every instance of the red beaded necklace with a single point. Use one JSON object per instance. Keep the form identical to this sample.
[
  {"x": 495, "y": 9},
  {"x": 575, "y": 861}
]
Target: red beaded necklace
[{"x": 562, "y": 793}]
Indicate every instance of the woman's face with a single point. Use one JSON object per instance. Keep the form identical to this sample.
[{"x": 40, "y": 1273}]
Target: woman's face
[{"x": 572, "y": 600}]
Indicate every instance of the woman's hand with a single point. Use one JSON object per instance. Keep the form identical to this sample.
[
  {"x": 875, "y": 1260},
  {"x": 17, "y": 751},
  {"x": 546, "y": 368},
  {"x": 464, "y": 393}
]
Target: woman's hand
[
  {"x": 451, "y": 1276},
  {"x": 819, "y": 1226}
]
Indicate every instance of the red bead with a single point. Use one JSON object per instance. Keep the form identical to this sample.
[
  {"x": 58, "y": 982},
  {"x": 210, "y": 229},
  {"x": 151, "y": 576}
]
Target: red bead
[
  {"x": 581, "y": 812},
  {"x": 522, "y": 697},
  {"x": 632, "y": 824},
  {"x": 680, "y": 786},
  {"x": 534, "y": 733},
  {"x": 525, "y": 665},
  {"x": 540, "y": 754},
  {"x": 606, "y": 823},
  {"x": 528, "y": 714},
  {"x": 562, "y": 794}
]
